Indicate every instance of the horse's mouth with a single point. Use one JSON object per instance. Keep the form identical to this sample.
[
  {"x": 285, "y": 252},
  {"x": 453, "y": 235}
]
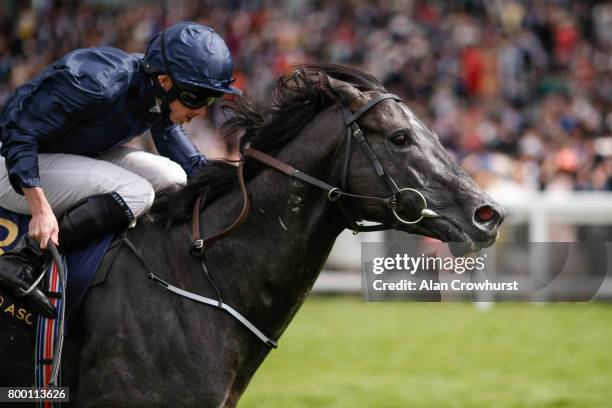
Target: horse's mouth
[{"x": 459, "y": 242}]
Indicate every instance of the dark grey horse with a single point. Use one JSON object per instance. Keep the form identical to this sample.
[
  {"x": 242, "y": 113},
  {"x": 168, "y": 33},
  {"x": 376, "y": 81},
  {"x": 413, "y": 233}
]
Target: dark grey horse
[{"x": 137, "y": 345}]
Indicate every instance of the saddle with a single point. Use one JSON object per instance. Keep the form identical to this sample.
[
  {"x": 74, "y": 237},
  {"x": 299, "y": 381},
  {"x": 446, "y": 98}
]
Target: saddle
[{"x": 81, "y": 266}]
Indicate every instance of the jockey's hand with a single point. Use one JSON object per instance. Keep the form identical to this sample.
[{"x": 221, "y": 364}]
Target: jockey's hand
[{"x": 43, "y": 225}]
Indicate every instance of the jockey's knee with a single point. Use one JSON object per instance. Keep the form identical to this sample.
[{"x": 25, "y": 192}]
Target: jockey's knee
[
  {"x": 170, "y": 175},
  {"x": 138, "y": 194}
]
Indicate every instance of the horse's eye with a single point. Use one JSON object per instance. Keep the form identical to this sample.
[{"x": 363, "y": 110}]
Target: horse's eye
[{"x": 400, "y": 139}]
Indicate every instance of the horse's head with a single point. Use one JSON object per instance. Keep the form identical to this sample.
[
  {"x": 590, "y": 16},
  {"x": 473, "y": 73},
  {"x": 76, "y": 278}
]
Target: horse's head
[{"x": 433, "y": 196}]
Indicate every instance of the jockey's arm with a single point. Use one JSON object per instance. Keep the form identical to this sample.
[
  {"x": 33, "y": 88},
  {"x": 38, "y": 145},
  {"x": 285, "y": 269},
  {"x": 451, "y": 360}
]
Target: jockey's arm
[
  {"x": 172, "y": 142},
  {"x": 51, "y": 108},
  {"x": 43, "y": 225}
]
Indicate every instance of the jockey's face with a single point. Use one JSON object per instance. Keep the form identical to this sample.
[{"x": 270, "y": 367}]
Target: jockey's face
[{"x": 179, "y": 113}]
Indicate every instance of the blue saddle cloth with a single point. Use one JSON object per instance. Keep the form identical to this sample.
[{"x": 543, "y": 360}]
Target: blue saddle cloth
[{"x": 81, "y": 264}]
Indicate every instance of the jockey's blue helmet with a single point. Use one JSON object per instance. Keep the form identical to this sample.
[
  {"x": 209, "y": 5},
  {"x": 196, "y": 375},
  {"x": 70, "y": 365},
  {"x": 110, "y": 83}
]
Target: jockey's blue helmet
[{"x": 196, "y": 59}]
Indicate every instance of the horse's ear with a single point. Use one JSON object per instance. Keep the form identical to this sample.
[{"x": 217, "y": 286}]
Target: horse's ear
[{"x": 343, "y": 92}]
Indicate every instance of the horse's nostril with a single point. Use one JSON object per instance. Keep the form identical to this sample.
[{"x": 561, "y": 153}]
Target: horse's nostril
[{"x": 485, "y": 213}]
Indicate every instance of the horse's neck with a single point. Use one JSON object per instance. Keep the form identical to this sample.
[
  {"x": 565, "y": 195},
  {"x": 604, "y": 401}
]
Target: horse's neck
[{"x": 270, "y": 263}]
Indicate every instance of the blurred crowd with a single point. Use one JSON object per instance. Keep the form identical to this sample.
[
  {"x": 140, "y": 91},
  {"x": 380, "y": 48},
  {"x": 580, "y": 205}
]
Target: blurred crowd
[{"x": 519, "y": 91}]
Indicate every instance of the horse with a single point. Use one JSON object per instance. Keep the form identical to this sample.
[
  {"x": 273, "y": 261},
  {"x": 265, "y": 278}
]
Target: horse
[{"x": 135, "y": 344}]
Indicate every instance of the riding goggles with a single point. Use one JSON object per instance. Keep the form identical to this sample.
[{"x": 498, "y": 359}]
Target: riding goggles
[{"x": 193, "y": 99}]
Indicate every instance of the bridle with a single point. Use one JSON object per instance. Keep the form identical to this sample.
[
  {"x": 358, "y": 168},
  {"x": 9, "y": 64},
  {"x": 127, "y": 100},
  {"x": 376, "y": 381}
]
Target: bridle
[
  {"x": 334, "y": 194},
  {"x": 353, "y": 131}
]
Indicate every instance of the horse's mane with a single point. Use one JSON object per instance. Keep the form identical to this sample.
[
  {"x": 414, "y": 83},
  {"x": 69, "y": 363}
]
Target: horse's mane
[{"x": 298, "y": 98}]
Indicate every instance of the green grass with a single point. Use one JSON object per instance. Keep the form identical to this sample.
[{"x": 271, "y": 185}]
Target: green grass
[{"x": 341, "y": 352}]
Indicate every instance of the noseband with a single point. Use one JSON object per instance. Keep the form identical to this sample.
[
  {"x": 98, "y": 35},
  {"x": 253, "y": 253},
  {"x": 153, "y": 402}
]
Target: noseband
[{"x": 334, "y": 194}]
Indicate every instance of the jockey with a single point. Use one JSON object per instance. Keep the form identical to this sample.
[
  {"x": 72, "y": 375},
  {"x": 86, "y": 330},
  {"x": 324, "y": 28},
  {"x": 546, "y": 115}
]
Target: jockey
[{"x": 62, "y": 133}]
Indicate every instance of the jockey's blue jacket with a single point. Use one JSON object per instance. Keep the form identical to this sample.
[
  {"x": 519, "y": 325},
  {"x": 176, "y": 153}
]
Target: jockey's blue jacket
[{"x": 89, "y": 102}]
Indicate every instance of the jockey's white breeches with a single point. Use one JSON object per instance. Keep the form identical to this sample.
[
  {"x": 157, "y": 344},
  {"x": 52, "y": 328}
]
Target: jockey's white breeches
[{"x": 67, "y": 179}]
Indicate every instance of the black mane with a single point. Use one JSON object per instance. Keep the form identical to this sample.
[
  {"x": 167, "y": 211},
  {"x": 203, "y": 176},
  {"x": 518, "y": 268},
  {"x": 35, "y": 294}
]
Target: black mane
[{"x": 298, "y": 99}]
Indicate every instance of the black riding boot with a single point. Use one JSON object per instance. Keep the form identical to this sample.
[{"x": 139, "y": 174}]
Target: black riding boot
[
  {"x": 87, "y": 221},
  {"x": 91, "y": 219}
]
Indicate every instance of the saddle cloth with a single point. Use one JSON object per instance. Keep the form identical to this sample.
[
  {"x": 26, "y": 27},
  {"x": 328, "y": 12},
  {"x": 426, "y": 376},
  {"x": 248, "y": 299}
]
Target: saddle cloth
[{"x": 81, "y": 269}]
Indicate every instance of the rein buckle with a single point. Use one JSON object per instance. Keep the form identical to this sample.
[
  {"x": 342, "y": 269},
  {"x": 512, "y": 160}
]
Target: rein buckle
[{"x": 197, "y": 247}]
